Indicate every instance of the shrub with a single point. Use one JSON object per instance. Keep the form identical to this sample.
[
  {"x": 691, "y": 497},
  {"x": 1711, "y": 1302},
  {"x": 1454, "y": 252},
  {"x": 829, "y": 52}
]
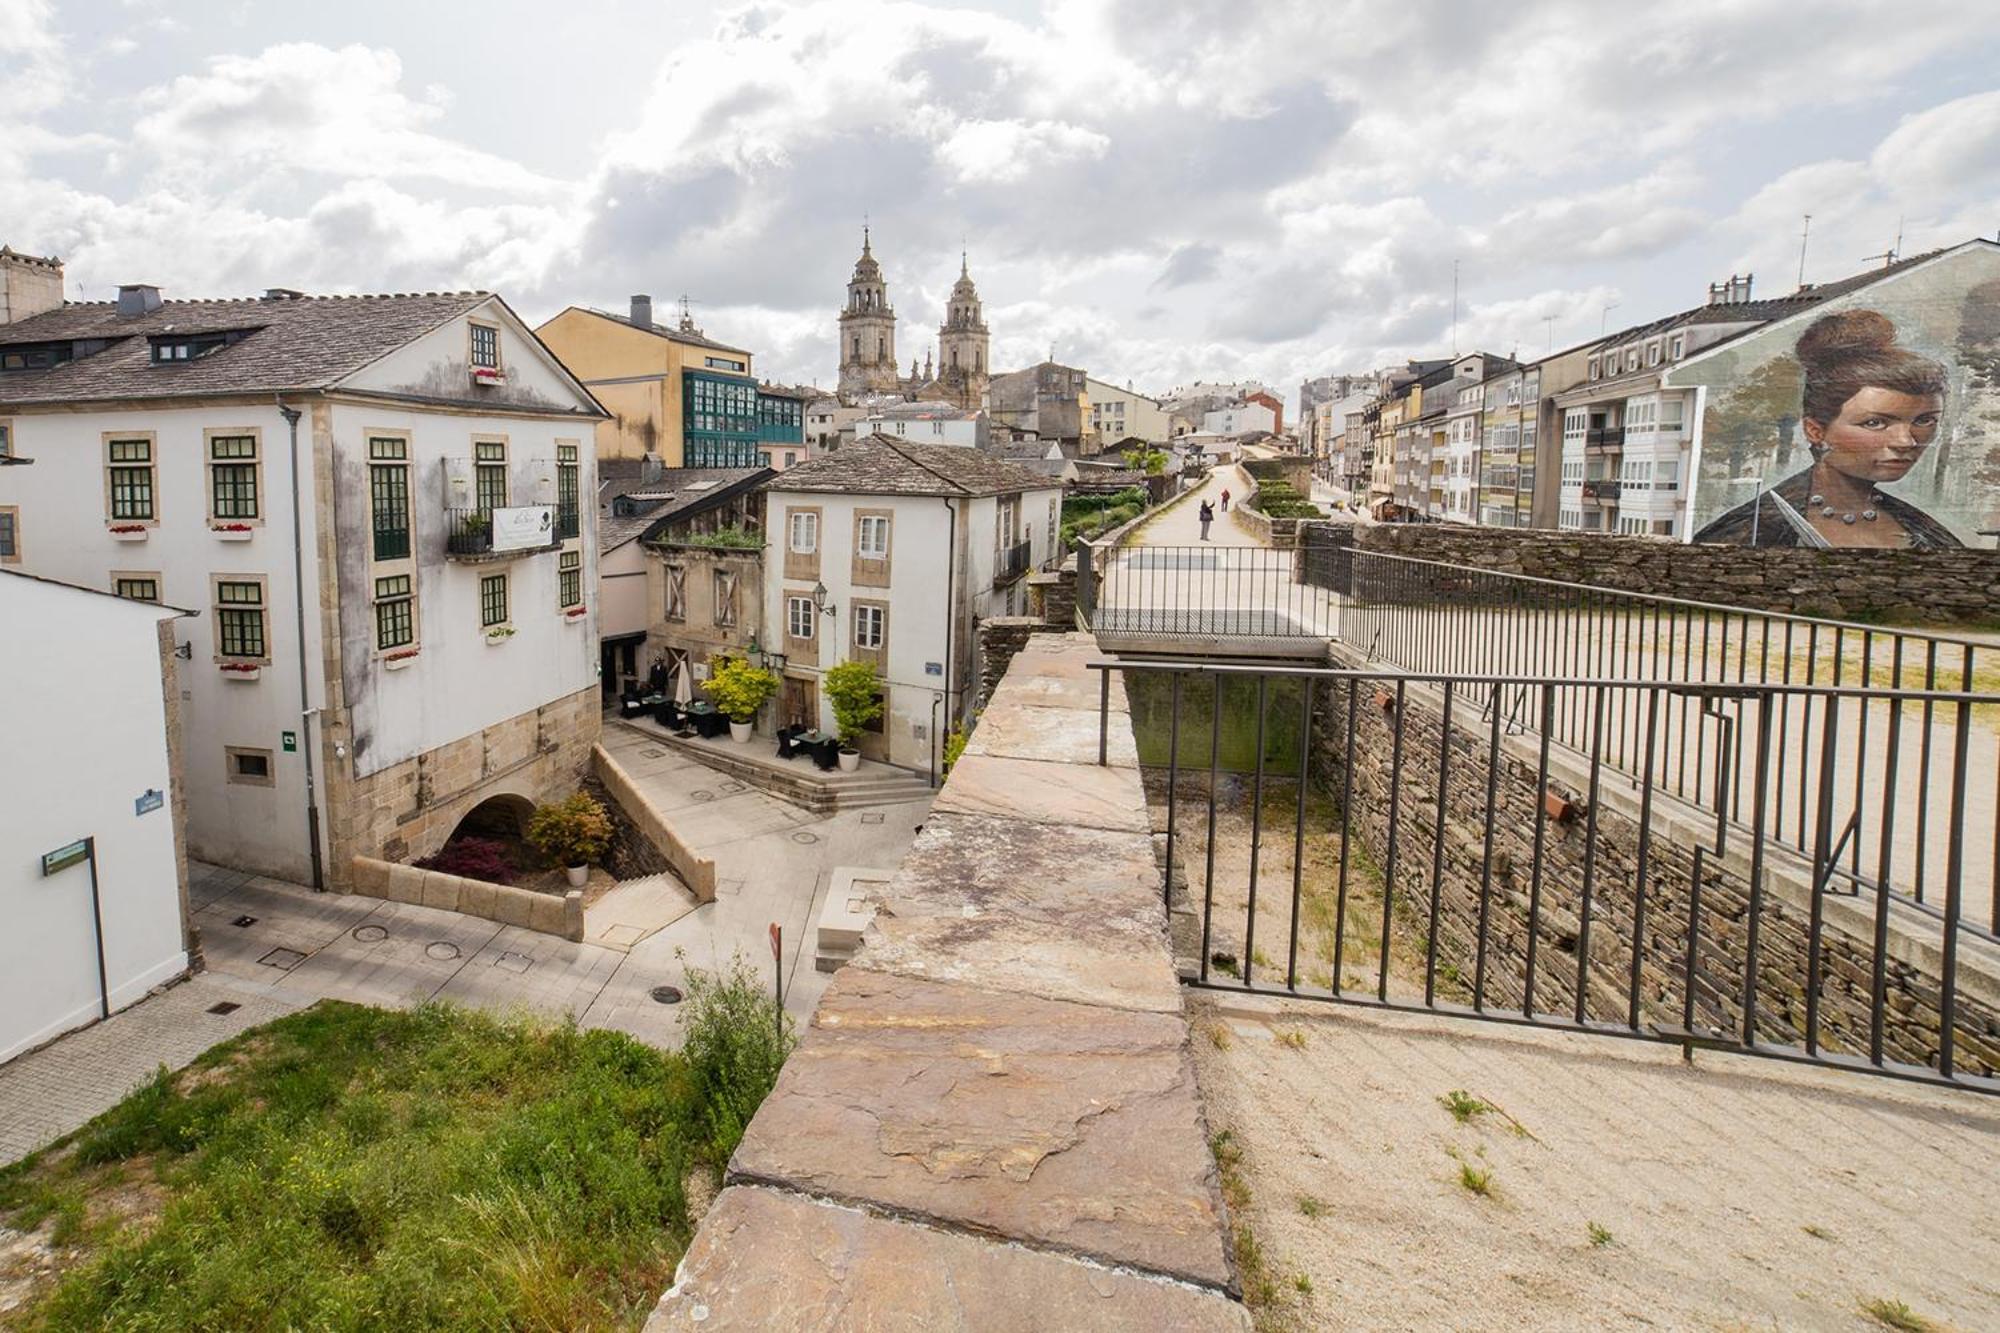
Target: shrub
[
  {"x": 474, "y": 858},
  {"x": 574, "y": 832},
  {"x": 855, "y": 693},
  {"x": 724, "y": 539},
  {"x": 734, "y": 1044},
  {"x": 740, "y": 689},
  {"x": 954, "y": 746}
]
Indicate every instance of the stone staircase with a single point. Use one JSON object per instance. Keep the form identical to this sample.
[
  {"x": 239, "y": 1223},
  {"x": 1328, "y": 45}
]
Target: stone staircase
[
  {"x": 635, "y": 909},
  {"x": 797, "y": 781}
]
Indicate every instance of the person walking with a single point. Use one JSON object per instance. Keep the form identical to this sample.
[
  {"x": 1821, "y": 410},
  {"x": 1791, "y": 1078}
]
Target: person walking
[
  {"x": 1225, "y": 501},
  {"x": 1207, "y": 515}
]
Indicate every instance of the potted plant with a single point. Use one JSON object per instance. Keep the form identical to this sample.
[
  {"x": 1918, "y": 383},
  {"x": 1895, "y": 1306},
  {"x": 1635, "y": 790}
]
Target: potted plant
[
  {"x": 855, "y": 692},
  {"x": 738, "y": 690},
  {"x": 571, "y": 834}
]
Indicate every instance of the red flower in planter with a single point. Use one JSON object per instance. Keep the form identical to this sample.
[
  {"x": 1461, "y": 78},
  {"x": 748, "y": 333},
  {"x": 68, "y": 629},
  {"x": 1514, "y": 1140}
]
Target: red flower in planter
[
  {"x": 128, "y": 527},
  {"x": 230, "y": 527},
  {"x": 403, "y": 656},
  {"x": 242, "y": 666}
]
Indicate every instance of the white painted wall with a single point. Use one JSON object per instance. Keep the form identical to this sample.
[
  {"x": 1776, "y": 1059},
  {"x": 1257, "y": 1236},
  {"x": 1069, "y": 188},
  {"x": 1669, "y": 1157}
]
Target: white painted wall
[
  {"x": 621, "y": 591},
  {"x": 86, "y": 735},
  {"x": 923, "y": 430},
  {"x": 1120, "y": 413},
  {"x": 1240, "y": 419}
]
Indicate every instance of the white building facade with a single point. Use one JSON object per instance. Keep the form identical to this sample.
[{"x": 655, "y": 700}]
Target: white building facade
[
  {"x": 889, "y": 553},
  {"x": 389, "y": 635},
  {"x": 95, "y": 871},
  {"x": 1121, "y": 414}
]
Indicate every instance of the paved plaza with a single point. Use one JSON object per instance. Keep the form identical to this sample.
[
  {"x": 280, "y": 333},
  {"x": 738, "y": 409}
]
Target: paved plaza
[{"x": 272, "y": 947}]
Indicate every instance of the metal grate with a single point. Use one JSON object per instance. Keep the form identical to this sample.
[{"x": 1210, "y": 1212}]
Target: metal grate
[{"x": 224, "y": 1007}]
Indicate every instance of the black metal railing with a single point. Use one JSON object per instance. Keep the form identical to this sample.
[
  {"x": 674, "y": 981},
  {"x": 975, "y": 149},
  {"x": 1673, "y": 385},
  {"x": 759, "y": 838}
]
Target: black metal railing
[
  {"x": 468, "y": 531},
  {"x": 1601, "y": 488},
  {"x": 1399, "y": 839},
  {"x": 1604, "y": 437},
  {"x": 1207, "y": 591},
  {"x": 1424, "y": 616},
  {"x": 1011, "y": 562}
]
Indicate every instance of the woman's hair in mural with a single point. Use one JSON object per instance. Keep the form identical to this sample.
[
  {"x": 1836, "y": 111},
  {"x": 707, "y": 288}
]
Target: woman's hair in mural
[{"x": 1851, "y": 350}]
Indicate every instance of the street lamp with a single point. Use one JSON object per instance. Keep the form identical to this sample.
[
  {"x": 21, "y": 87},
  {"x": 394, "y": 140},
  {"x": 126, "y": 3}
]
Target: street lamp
[{"x": 820, "y": 603}]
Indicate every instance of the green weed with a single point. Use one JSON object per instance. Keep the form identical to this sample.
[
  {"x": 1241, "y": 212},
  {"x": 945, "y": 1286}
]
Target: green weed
[
  {"x": 1896, "y": 1315},
  {"x": 1599, "y": 1235}
]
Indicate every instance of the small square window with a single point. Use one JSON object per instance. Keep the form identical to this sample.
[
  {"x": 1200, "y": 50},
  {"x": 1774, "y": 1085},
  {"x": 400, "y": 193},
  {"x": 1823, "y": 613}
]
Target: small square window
[
  {"x": 249, "y": 767},
  {"x": 137, "y": 587}
]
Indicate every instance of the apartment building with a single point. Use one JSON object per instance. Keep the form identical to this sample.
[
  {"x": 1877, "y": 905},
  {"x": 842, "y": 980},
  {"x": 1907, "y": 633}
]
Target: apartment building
[
  {"x": 924, "y": 423},
  {"x": 1118, "y": 415},
  {"x": 373, "y": 505},
  {"x": 889, "y": 552}
]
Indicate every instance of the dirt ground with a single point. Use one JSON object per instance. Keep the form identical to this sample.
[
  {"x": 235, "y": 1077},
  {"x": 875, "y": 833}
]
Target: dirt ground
[{"x": 1583, "y": 1182}]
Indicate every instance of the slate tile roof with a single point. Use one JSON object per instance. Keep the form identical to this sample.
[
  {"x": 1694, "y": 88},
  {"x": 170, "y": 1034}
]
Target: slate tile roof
[
  {"x": 878, "y": 465},
  {"x": 305, "y": 342},
  {"x": 689, "y": 488}
]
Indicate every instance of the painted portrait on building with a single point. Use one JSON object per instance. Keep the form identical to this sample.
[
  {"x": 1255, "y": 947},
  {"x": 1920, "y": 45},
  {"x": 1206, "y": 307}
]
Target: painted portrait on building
[{"x": 1872, "y": 420}]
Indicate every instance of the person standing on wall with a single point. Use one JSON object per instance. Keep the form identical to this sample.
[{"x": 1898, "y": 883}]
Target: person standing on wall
[{"x": 1207, "y": 516}]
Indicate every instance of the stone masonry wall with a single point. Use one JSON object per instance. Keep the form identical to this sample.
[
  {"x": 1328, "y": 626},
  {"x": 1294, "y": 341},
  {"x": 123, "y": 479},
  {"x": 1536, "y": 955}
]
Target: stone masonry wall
[
  {"x": 1913, "y": 1000},
  {"x": 408, "y": 810},
  {"x": 1902, "y": 587},
  {"x": 992, "y": 1120}
]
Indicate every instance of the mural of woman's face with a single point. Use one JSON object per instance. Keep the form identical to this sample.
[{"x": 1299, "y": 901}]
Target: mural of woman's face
[{"x": 1879, "y": 435}]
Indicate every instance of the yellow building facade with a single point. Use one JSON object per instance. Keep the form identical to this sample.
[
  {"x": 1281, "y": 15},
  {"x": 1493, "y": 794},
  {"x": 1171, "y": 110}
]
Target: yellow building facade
[{"x": 640, "y": 371}]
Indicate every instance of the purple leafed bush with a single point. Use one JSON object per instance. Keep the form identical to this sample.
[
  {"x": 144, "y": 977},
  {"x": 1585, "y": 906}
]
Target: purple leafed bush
[{"x": 474, "y": 858}]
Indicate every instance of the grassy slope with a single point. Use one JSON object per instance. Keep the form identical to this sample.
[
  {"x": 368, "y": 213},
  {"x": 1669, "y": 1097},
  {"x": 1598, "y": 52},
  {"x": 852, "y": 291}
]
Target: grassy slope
[{"x": 348, "y": 1167}]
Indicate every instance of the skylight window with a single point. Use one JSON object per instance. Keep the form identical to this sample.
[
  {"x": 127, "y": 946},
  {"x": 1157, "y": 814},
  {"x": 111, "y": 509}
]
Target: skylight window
[{"x": 175, "y": 348}]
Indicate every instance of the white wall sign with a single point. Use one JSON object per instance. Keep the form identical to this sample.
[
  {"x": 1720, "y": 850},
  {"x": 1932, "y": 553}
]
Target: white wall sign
[{"x": 523, "y": 527}]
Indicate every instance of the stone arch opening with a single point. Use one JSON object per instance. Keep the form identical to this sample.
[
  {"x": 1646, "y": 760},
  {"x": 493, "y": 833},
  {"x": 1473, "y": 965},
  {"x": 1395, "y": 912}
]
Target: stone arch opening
[{"x": 502, "y": 816}]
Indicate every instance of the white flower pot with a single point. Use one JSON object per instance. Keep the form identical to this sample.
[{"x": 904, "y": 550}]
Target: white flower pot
[
  {"x": 253, "y": 673},
  {"x": 398, "y": 663},
  {"x": 739, "y": 732},
  {"x": 578, "y": 875},
  {"x": 232, "y": 534},
  {"x": 850, "y": 760},
  {"x": 137, "y": 535}
]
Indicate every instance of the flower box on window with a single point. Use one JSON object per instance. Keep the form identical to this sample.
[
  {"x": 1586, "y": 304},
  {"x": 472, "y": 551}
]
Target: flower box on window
[
  {"x": 488, "y": 375},
  {"x": 241, "y": 670},
  {"x": 576, "y": 613},
  {"x": 232, "y": 532},
  {"x": 129, "y": 532},
  {"x": 397, "y": 661},
  {"x": 499, "y": 634}
]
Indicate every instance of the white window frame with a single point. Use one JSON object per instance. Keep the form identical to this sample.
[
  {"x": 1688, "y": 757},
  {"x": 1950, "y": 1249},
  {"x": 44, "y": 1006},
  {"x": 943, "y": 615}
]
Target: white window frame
[
  {"x": 800, "y": 617},
  {"x": 876, "y": 546},
  {"x": 802, "y": 523},
  {"x": 869, "y": 623}
]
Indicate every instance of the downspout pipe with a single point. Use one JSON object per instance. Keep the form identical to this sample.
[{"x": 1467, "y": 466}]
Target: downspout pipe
[
  {"x": 306, "y": 710},
  {"x": 950, "y": 618}
]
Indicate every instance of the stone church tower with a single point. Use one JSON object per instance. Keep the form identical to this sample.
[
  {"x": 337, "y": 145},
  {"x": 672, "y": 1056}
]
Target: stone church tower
[
  {"x": 963, "y": 367},
  {"x": 867, "y": 331}
]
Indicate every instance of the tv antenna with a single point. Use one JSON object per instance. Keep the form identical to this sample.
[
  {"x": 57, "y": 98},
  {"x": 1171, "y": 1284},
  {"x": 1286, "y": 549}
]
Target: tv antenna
[
  {"x": 1454, "y": 307},
  {"x": 1803, "y": 234},
  {"x": 1604, "y": 318}
]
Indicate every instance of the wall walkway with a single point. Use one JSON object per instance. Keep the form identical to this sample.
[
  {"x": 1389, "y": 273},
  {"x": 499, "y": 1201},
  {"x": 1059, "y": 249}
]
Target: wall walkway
[{"x": 992, "y": 1119}]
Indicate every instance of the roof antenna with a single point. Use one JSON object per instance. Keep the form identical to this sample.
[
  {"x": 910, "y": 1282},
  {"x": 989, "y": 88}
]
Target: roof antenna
[
  {"x": 1454, "y": 307},
  {"x": 1803, "y": 234}
]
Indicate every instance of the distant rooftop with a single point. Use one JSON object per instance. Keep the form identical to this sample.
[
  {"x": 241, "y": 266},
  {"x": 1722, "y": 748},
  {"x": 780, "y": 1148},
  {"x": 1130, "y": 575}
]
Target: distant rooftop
[{"x": 879, "y": 465}]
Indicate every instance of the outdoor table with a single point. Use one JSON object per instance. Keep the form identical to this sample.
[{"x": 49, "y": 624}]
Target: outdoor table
[{"x": 707, "y": 721}]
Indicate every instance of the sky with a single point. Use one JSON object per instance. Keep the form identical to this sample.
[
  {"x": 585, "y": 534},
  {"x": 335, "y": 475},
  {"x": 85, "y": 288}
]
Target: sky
[{"x": 1158, "y": 191}]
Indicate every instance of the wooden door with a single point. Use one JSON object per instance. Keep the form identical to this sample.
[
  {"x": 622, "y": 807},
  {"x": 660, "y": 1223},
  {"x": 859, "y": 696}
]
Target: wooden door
[{"x": 798, "y": 702}]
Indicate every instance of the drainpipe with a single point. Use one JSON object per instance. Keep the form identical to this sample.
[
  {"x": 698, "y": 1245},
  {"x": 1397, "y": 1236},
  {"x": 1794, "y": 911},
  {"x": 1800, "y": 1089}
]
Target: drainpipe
[
  {"x": 950, "y": 618},
  {"x": 306, "y": 710}
]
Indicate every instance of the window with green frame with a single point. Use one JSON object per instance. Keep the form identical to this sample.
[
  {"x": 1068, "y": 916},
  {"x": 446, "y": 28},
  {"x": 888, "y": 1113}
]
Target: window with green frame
[
  {"x": 131, "y": 479},
  {"x": 136, "y": 589},
  {"x": 232, "y": 471},
  {"x": 493, "y": 600},
  {"x": 389, "y": 496},
  {"x": 490, "y": 476},
  {"x": 395, "y": 619},
  {"x": 239, "y": 615},
  {"x": 569, "y": 577},
  {"x": 568, "y": 516}
]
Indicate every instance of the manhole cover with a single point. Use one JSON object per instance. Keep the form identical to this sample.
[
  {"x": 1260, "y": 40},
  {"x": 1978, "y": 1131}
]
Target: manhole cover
[
  {"x": 225, "y": 1007},
  {"x": 442, "y": 950},
  {"x": 244, "y": 921},
  {"x": 701, "y": 794},
  {"x": 652, "y": 754},
  {"x": 803, "y": 838},
  {"x": 874, "y": 817},
  {"x": 731, "y": 786},
  {"x": 513, "y": 962},
  {"x": 667, "y": 994},
  {"x": 370, "y": 934},
  {"x": 283, "y": 959}
]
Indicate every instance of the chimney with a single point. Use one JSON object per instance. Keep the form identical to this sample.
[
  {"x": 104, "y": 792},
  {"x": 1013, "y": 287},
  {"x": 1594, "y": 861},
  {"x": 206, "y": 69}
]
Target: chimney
[
  {"x": 29, "y": 285},
  {"x": 642, "y": 312},
  {"x": 1733, "y": 292},
  {"x": 137, "y": 298},
  {"x": 283, "y": 294}
]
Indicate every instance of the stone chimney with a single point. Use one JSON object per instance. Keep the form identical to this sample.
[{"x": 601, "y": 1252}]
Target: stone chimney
[
  {"x": 137, "y": 298},
  {"x": 28, "y": 285},
  {"x": 642, "y": 312},
  {"x": 1733, "y": 292}
]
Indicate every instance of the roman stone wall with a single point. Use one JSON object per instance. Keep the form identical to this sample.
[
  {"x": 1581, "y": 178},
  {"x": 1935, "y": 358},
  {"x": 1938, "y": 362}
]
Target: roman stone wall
[
  {"x": 1902, "y": 587},
  {"x": 1545, "y": 912}
]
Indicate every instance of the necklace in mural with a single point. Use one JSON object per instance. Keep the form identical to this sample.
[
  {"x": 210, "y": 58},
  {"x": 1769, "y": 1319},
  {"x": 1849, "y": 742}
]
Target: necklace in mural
[{"x": 1827, "y": 511}]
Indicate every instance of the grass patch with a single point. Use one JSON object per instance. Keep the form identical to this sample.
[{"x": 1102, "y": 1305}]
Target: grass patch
[
  {"x": 1817, "y": 1232},
  {"x": 1464, "y": 1107},
  {"x": 349, "y": 1167},
  {"x": 1475, "y": 1180},
  {"x": 1294, "y": 1038},
  {"x": 1895, "y": 1314},
  {"x": 1311, "y": 1207},
  {"x": 1600, "y": 1236}
]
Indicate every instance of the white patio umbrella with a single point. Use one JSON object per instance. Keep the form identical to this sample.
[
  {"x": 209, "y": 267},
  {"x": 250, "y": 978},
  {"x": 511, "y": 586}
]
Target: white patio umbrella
[{"x": 683, "y": 686}]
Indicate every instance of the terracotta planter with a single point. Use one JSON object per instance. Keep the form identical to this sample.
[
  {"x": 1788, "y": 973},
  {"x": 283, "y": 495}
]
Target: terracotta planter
[
  {"x": 850, "y": 760},
  {"x": 578, "y": 875},
  {"x": 739, "y": 732}
]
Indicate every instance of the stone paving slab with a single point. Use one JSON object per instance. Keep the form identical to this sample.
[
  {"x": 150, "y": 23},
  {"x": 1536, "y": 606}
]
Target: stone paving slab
[
  {"x": 1056, "y": 735},
  {"x": 289, "y": 918},
  {"x": 1057, "y": 679},
  {"x": 1081, "y": 795},
  {"x": 767, "y": 1260},
  {"x": 527, "y": 968},
  {"x": 47, "y": 1093},
  {"x": 1003, "y": 1114},
  {"x": 420, "y": 950},
  {"x": 1034, "y": 959}
]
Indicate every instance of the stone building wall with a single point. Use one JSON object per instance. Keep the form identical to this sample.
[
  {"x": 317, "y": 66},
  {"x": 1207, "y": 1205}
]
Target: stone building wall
[
  {"x": 999, "y": 639},
  {"x": 1911, "y": 1033},
  {"x": 1901, "y": 587},
  {"x": 408, "y": 810}
]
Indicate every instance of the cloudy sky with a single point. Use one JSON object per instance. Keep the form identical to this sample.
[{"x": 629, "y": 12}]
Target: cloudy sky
[{"x": 1160, "y": 190}]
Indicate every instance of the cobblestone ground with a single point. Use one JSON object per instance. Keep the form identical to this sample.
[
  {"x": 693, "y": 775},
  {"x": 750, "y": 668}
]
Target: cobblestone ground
[{"x": 47, "y": 1093}]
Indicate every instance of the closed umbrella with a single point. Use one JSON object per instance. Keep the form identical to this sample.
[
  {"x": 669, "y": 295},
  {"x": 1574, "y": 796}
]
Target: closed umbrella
[{"x": 683, "y": 688}]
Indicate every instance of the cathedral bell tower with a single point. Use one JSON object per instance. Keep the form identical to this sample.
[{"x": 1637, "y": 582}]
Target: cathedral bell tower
[
  {"x": 867, "y": 330},
  {"x": 963, "y": 369}
]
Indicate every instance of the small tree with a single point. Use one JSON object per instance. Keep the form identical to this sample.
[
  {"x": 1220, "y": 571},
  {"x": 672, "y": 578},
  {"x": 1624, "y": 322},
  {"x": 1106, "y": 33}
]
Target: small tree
[
  {"x": 855, "y": 693},
  {"x": 574, "y": 832},
  {"x": 739, "y": 689}
]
